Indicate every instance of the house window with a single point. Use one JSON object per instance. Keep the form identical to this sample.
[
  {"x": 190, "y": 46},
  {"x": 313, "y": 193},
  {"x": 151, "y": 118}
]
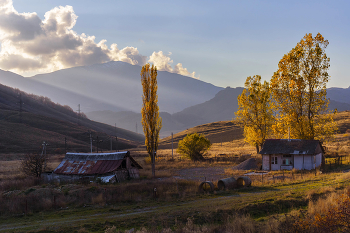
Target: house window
[
  {"x": 287, "y": 160},
  {"x": 274, "y": 160}
]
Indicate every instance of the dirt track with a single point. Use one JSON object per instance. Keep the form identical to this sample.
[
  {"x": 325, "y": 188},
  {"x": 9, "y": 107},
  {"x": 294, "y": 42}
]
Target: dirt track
[{"x": 202, "y": 173}]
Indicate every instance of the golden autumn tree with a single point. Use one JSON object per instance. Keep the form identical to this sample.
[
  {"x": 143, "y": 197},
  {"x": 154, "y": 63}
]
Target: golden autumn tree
[
  {"x": 255, "y": 111},
  {"x": 151, "y": 122},
  {"x": 299, "y": 91}
]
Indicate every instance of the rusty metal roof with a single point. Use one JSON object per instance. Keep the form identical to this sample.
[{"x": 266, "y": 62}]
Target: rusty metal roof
[
  {"x": 92, "y": 163},
  {"x": 87, "y": 167}
]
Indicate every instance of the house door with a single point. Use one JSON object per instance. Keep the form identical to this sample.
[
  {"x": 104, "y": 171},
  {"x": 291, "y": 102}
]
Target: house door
[{"x": 275, "y": 163}]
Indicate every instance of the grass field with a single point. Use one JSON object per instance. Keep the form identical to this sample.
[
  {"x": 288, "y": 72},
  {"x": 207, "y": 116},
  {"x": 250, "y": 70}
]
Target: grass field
[
  {"x": 178, "y": 205},
  {"x": 276, "y": 202}
]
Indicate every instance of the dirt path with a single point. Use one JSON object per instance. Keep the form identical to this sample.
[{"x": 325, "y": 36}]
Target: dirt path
[{"x": 202, "y": 173}]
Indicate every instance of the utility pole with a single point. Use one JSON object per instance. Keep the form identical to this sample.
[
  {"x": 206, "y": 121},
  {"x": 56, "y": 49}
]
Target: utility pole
[
  {"x": 111, "y": 143},
  {"x": 136, "y": 127},
  {"x": 116, "y": 138},
  {"x": 172, "y": 146},
  {"x": 20, "y": 107},
  {"x": 65, "y": 145},
  {"x": 90, "y": 142},
  {"x": 43, "y": 153},
  {"x": 97, "y": 143},
  {"x": 78, "y": 113}
]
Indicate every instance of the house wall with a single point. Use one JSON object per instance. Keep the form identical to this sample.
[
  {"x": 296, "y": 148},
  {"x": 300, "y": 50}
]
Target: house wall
[
  {"x": 318, "y": 159},
  {"x": 276, "y": 167},
  {"x": 309, "y": 162},
  {"x": 298, "y": 162},
  {"x": 306, "y": 162},
  {"x": 265, "y": 163}
]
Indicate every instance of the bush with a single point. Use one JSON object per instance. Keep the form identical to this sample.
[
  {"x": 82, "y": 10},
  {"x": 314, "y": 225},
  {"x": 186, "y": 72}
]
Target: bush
[{"x": 193, "y": 146}]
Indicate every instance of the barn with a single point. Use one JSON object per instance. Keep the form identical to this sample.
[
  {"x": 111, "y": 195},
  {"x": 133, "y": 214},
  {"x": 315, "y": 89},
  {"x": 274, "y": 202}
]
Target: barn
[
  {"x": 280, "y": 154},
  {"x": 108, "y": 167}
]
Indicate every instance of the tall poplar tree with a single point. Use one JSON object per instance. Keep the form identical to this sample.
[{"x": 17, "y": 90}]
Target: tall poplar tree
[
  {"x": 151, "y": 122},
  {"x": 255, "y": 111},
  {"x": 299, "y": 91}
]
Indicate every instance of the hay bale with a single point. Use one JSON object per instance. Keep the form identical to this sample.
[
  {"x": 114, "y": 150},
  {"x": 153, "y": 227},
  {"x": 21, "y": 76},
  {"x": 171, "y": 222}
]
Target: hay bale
[
  {"x": 244, "y": 181},
  {"x": 228, "y": 183},
  {"x": 204, "y": 184}
]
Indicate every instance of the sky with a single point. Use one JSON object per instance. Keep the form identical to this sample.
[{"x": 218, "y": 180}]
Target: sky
[{"x": 220, "y": 42}]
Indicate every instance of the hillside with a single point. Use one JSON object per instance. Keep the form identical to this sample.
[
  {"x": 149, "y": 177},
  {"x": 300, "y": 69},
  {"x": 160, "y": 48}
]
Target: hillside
[
  {"x": 220, "y": 108},
  {"x": 42, "y": 120},
  {"x": 226, "y": 131},
  {"x": 222, "y": 131}
]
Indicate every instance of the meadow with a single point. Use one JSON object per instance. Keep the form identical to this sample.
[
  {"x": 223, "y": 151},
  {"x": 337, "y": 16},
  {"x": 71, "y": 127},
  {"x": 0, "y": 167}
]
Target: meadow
[{"x": 289, "y": 201}]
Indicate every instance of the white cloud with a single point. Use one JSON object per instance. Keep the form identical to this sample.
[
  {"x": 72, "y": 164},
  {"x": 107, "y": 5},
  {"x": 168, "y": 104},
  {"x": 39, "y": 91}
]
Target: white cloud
[
  {"x": 29, "y": 44},
  {"x": 163, "y": 62}
]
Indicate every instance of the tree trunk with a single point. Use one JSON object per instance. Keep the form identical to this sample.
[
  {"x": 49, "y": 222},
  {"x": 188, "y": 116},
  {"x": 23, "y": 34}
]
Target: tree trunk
[
  {"x": 153, "y": 165},
  {"x": 257, "y": 148}
]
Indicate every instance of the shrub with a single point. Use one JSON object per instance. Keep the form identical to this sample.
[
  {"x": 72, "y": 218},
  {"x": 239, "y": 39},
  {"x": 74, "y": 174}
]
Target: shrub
[{"x": 193, "y": 146}]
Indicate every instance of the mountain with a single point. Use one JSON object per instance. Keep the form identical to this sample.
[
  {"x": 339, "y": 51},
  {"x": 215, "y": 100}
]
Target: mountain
[
  {"x": 338, "y": 94},
  {"x": 26, "y": 120},
  {"x": 118, "y": 84},
  {"x": 57, "y": 95},
  {"x": 220, "y": 108}
]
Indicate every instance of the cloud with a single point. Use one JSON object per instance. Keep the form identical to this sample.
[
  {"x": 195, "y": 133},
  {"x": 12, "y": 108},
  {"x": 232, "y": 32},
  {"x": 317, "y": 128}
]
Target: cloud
[
  {"x": 163, "y": 62},
  {"x": 30, "y": 44}
]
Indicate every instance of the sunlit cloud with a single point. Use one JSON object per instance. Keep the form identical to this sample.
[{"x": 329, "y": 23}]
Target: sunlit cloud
[
  {"x": 29, "y": 44},
  {"x": 163, "y": 62}
]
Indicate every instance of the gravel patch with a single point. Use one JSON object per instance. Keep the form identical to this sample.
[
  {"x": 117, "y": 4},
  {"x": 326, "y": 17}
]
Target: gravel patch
[{"x": 249, "y": 164}]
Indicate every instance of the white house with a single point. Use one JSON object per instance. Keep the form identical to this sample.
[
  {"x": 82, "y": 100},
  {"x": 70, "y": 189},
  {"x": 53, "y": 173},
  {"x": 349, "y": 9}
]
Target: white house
[{"x": 279, "y": 154}]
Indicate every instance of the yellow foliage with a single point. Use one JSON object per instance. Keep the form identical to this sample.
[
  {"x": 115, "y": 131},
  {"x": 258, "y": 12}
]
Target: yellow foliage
[
  {"x": 255, "y": 111},
  {"x": 151, "y": 122},
  {"x": 299, "y": 92}
]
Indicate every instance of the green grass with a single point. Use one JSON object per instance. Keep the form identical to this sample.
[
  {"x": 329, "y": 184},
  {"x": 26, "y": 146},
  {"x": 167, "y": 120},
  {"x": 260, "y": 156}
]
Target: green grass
[{"x": 260, "y": 202}]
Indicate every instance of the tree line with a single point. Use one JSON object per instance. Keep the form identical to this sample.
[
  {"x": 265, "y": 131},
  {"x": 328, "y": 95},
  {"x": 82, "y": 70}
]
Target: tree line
[{"x": 294, "y": 103}]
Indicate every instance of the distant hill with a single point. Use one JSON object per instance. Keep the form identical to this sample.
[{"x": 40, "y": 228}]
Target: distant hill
[
  {"x": 216, "y": 132},
  {"x": 227, "y": 131},
  {"x": 42, "y": 120},
  {"x": 338, "y": 94},
  {"x": 220, "y": 108},
  {"x": 118, "y": 84}
]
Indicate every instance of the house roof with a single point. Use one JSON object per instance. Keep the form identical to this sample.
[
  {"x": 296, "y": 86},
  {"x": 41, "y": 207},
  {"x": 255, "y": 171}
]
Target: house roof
[
  {"x": 291, "y": 146},
  {"x": 92, "y": 163}
]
